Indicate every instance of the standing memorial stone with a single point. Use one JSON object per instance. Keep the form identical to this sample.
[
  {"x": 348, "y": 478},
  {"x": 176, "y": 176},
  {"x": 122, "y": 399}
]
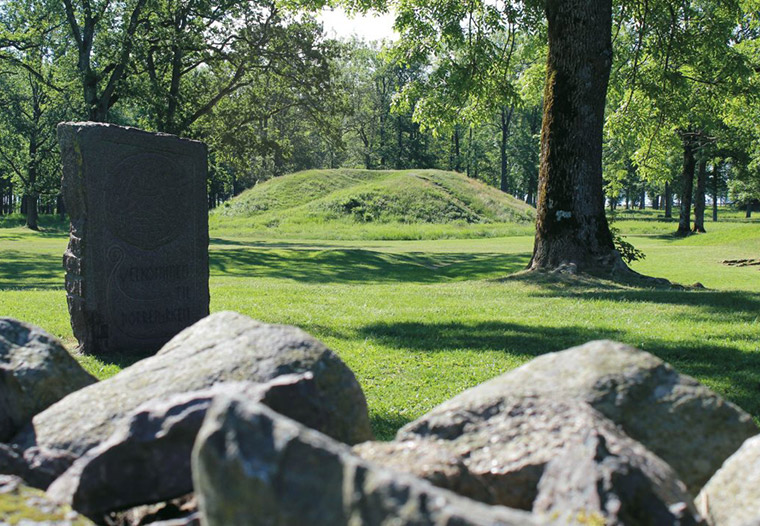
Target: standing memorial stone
[{"x": 137, "y": 260}]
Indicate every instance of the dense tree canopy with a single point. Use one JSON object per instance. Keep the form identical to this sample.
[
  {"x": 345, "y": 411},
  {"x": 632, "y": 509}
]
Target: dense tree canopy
[{"x": 466, "y": 88}]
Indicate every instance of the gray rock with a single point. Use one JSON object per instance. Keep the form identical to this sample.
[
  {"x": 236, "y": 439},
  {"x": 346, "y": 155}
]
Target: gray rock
[
  {"x": 254, "y": 466},
  {"x": 683, "y": 422},
  {"x": 137, "y": 260},
  {"x": 35, "y": 372},
  {"x": 615, "y": 483},
  {"x": 182, "y": 511},
  {"x": 541, "y": 454},
  {"x": 36, "y": 469},
  {"x": 193, "y": 519},
  {"x": 147, "y": 459},
  {"x": 223, "y": 347},
  {"x": 732, "y": 496},
  {"x": 26, "y": 506}
]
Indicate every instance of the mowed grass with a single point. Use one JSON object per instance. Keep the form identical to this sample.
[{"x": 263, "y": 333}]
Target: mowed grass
[
  {"x": 418, "y": 321},
  {"x": 346, "y": 204}
]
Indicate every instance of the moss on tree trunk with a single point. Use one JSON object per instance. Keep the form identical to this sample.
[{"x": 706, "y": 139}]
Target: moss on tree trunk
[{"x": 571, "y": 228}]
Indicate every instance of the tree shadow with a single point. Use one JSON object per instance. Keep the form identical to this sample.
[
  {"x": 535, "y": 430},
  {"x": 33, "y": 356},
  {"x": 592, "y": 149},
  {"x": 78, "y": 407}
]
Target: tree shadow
[
  {"x": 732, "y": 372},
  {"x": 385, "y": 425},
  {"x": 258, "y": 244},
  {"x": 512, "y": 338},
  {"x": 22, "y": 270},
  {"x": 362, "y": 266},
  {"x": 739, "y": 305}
]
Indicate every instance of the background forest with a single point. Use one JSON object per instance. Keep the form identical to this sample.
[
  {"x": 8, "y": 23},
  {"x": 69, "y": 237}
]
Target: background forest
[{"x": 461, "y": 90}]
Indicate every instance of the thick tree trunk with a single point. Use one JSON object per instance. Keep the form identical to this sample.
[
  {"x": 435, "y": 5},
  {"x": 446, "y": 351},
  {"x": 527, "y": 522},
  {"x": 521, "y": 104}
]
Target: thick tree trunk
[
  {"x": 687, "y": 187},
  {"x": 699, "y": 203},
  {"x": 30, "y": 200},
  {"x": 571, "y": 227}
]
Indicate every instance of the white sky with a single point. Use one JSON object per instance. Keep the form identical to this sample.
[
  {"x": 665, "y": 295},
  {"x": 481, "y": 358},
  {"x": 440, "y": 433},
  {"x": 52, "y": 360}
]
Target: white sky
[{"x": 368, "y": 27}]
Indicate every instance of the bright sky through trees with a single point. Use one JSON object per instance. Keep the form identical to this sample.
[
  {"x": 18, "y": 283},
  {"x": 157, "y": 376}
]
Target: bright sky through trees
[{"x": 371, "y": 26}]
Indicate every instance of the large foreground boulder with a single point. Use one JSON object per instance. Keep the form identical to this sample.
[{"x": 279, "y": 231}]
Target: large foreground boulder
[
  {"x": 252, "y": 466},
  {"x": 147, "y": 459},
  {"x": 686, "y": 424},
  {"x": 543, "y": 454},
  {"x": 223, "y": 347},
  {"x": 26, "y": 506},
  {"x": 732, "y": 496},
  {"x": 35, "y": 372}
]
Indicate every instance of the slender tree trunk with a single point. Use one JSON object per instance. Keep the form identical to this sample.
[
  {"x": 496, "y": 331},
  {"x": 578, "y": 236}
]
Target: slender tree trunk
[
  {"x": 699, "y": 203},
  {"x": 571, "y": 227},
  {"x": 399, "y": 145},
  {"x": 457, "y": 156},
  {"x": 749, "y": 210},
  {"x": 469, "y": 153},
  {"x": 535, "y": 127},
  {"x": 715, "y": 192},
  {"x": 60, "y": 207},
  {"x": 668, "y": 201},
  {"x": 532, "y": 187},
  {"x": 506, "y": 119},
  {"x": 687, "y": 186},
  {"x": 643, "y": 201},
  {"x": 31, "y": 196}
]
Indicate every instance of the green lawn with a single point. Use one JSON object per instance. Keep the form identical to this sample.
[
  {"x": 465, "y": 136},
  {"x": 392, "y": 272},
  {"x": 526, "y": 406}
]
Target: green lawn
[{"x": 421, "y": 320}]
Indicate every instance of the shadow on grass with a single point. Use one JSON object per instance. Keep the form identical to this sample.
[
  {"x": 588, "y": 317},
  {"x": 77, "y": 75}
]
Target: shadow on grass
[
  {"x": 512, "y": 338},
  {"x": 120, "y": 360},
  {"x": 22, "y": 270},
  {"x": 719, "y": 365},
  {"x": 258, "y": 244},
  {"x": 385, "y": 425},
  {"x": 738, "y": 305},
  {"x": 50, "y": 225},
  {"x": 362, "y": 266}
]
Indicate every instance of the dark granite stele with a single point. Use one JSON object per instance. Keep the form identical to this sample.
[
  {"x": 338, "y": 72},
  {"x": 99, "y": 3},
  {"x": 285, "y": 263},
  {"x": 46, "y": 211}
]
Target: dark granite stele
[{"x": 137, "y": 260}]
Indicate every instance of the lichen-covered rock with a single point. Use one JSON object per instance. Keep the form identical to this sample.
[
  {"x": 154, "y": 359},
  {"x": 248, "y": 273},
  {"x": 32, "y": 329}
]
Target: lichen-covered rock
[
  {"x": 683, "y": 422},
  {"x": 503, "y": 450},
  {"x": 223, "y": 347},
  {"x": 615, "y": 483},
  {"x": 732, "y": 496},
  {"x": 35, "y": 372},
  {"x": 37, "y": 470},
  {"x": 182, "y": 511},
  {"x": 147, "y": 459},
  {"x": 252, "y": 466},
  {"x": 26, "y": 506}
]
